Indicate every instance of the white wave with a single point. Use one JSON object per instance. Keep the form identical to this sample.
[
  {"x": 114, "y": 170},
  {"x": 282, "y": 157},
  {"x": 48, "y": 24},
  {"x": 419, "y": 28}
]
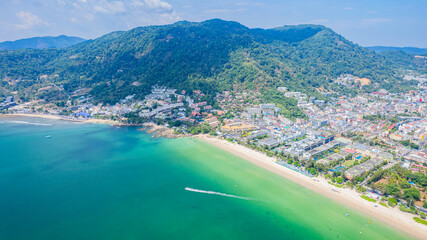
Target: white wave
[
  {"x": 31, "y": 123},
  {"x": 216, "y": 193}
]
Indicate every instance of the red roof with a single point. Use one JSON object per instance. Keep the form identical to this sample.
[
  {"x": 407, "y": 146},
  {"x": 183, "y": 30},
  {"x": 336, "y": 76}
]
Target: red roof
[
  {"x": 349, "y": 150},
  {"x": 392, "y": 126}
]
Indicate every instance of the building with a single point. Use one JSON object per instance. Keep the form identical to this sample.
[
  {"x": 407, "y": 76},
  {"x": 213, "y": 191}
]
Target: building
[
  {"x": 269, "y": 142},
  {"x": 358, "y": 170},
  {"x": 238, "y": 127},
  {"x": 267, "y": 106},
  {"x": 319, "y": 122},
  {"x": 319, "y": 102},
  {"x": 320, "y": 150},
  {"x": 343, "y": 141},
  {"x": 396, "y": 137},
  {"x": 256, "y": 134},
  {"x": 418, "y": 158},
  {"x": 254, "y": 111}
]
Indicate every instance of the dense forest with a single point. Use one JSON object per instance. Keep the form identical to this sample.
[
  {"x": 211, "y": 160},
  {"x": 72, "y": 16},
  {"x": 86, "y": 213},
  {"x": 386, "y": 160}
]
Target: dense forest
[{"x": 210, "y": 56}]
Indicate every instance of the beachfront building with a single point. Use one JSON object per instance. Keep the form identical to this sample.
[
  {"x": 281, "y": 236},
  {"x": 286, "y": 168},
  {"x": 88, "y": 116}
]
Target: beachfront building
[
  {"x": 257, "y": 134},
  {"x": 269, "y": 142},
  {"x": 358, "y": 170},
  {"x": 238, "y": 127},
  {"x": 320, "y": 150}
]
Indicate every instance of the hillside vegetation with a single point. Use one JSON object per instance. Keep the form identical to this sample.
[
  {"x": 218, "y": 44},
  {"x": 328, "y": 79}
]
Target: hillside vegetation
[{"x": 210, "y": 56}]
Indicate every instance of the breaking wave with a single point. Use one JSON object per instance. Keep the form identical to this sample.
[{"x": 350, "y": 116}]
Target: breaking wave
[
  {"x": 30, "y": 123},
  {"x": 216, "y": 193}
]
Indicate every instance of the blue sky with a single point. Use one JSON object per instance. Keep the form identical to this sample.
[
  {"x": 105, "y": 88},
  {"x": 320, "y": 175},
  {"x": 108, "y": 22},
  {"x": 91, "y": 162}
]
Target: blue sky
[{"x": 366, "y": 22}]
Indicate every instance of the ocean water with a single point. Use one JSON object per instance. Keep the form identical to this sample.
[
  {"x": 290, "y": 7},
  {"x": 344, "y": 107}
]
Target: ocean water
[{"x": 90, "y": 181}]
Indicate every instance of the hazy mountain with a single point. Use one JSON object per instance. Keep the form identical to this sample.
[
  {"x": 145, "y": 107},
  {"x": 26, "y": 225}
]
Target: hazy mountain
[
  {"x": 410, "y": 50},
  {"x": 41, "y": 42},
  {"x": 211, "y": 56}
]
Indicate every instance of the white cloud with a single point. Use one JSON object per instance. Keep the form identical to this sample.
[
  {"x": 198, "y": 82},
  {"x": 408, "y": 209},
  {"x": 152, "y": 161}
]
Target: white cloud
[
  {"x": 155, "y": 4},
  {"x": 110, "y": 7},
  {"x": 137, "y": 3},
  {"x": 29, "y": 20},
  {"x": 81, "y": 17},
  {"x": 152, "y": 4},
  {"x": 168, "y": 18}
]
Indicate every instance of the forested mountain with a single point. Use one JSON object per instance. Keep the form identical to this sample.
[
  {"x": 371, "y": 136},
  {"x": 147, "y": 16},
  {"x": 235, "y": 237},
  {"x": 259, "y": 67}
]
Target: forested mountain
[
  {"x": 410, "y": 50},
  {"x": 41, "y": 43},
  {"x": 211, "y": 56}
]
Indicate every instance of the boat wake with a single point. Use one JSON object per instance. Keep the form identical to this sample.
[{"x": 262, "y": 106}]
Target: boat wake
[
  {"x": 216, "y": 193},
  {"x": 30, "y": 123}
]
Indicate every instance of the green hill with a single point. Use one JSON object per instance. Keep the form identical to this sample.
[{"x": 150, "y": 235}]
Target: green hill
[{"x": 211, "y": 56}]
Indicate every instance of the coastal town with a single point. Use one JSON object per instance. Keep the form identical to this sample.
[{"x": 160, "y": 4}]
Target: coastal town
[{"x": 374, "y": 143}]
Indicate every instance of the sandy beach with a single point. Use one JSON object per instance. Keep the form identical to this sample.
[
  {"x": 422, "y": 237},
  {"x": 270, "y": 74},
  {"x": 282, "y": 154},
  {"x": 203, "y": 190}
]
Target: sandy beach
[
  {"x": 54, "y": 117},
  {"x": 390, "y": 216}
]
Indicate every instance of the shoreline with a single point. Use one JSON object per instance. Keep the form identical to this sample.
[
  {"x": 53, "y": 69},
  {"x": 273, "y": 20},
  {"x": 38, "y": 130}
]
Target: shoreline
[
  {"x": 159, "y": 131},
  {"x": 392, "y": 217},
  {"x": 54, "y": 117}
]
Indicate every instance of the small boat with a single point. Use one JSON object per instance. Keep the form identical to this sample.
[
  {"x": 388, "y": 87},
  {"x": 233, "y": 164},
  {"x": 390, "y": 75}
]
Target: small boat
[
  {"x": 48, "y": 136},
  {"x": 154, "y": 136}
]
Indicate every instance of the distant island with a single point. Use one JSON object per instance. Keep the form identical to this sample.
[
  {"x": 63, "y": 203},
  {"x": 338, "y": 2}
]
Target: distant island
[{"x": 41, "y": 43}]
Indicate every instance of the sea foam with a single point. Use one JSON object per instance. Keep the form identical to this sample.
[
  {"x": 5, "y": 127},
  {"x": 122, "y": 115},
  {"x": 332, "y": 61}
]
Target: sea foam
[
  {"x": 31, "y": 123},
  {"x": 216, "y": 193}
]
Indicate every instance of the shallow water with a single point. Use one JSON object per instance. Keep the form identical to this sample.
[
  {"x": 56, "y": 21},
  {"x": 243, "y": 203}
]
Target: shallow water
[{"x": 99, "y": 182}]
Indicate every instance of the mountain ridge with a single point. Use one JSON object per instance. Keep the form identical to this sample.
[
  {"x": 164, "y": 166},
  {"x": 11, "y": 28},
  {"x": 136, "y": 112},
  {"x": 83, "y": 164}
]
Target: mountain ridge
[
  {"x": 60, "y": 41},
  {"x": 212, "y": 56},
  {"x": 410, "y": 50}
]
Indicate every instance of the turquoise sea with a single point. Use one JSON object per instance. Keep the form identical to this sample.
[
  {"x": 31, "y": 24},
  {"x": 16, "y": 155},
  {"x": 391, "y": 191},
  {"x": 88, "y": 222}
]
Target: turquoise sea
[{"x": 90, "y": 181}]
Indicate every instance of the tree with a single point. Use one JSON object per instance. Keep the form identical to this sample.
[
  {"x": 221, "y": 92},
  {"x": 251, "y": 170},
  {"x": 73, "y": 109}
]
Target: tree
[
  {"x": 312, "y": 171},
  {"x": 405, "y": 142},
  {"x": 392, "y": 202},
  {"x": 411, "y": 193},
  {"x": 405, "y": 184},
  {"x": 359, "y": 188},
  {"x": 340, "y": 180},
  {"x": 414, "y": 146},
  {"x": 392, "y": 190}
]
